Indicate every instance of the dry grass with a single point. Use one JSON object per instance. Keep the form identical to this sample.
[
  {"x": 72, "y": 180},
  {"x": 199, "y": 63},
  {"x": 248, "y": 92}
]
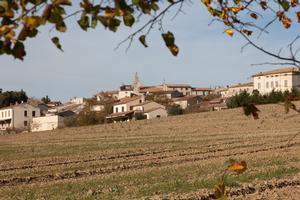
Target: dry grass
[{"x": 145, "y": 158}]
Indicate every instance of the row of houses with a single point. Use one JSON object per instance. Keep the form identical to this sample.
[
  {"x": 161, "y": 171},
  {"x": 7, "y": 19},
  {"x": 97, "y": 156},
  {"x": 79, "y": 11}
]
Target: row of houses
[{"x": 130, "y": 101}]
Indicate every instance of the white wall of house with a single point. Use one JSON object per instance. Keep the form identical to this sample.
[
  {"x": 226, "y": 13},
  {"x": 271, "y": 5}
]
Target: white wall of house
[
  {"x": 279, "y": 82},
  {"x": 157, "y": 113},
  {"x": 183, "y": 104},
  {"x": 6, "y": 117},
  {"x": 47, "y": 123},
  {"x": 232, "y": 91},
  {"x": 200, "y": 92},
  {"x": 125, "y": 93},
  {"x": 20, "y": 116},
  {"x": 126, "y": 106}
]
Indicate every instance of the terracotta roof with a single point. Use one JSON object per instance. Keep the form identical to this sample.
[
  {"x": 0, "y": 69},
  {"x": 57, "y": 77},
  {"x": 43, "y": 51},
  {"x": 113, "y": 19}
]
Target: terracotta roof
[
  {"x": 152, "y": 89},
  {"x": 153, "y": 109},
  {"x": 201, "y": 89},
  {"x": 242, "y": 85},
  {"x": 141, "y": 104},
  {"x": 178, "y": 85},
  {"x": 186, "y": 98},
  {"x": 127, "y": 99},
  {"x": 278, "y": 71}
]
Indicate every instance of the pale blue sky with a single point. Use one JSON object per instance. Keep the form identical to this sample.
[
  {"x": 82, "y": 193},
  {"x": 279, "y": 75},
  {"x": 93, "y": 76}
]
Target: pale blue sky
[{"x": 89, "y": 64}]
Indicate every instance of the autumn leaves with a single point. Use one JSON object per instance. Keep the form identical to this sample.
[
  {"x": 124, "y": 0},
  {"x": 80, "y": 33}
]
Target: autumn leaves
[{"x": 237, "y": 14}]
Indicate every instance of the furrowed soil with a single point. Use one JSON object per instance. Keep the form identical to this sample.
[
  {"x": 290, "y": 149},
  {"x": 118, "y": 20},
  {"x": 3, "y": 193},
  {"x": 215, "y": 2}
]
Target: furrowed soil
[{"x": 179, "y": 157}]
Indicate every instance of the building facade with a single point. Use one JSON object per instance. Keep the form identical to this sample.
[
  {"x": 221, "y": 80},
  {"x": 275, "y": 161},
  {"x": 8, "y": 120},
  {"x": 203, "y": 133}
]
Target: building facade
[
  {"x": 277, "y": 80},
  {"x": 47, "y": 123},
  {"x": 18, "y": 116}
]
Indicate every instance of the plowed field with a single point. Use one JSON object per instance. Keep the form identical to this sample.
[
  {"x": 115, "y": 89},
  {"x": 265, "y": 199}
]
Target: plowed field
[{"x": 178, "y": 157}]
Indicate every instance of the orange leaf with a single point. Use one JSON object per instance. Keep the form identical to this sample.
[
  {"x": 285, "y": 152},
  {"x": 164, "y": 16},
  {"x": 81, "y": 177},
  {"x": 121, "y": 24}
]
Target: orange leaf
[
  {"x": 286, "y": 22},
  {"x": 253, "y": 15},
  {"x": 238, "y": 167},
  {"x": 229, "y": 32},
  {"x": 298, "y": 16},
  {"x": 247, "y": 32}
]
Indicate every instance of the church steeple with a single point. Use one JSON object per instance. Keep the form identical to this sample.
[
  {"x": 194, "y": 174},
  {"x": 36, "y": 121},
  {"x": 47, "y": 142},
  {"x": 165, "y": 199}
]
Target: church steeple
[{"x": 136, "y": 83}]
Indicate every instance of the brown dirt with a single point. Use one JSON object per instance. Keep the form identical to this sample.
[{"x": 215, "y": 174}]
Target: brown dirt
[{"x": 194, "y": 140}]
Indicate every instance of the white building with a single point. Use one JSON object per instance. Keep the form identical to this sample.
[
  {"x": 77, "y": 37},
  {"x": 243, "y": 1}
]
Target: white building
[
  {"x": 78, "y": 100},
  {"x": 239, "y": 88},
  {"x": 126, "y": 103},
  {"x": 278, "y": 80},
  {"x": 47, "y": 123},
  {"x": 18, "y": 116}
]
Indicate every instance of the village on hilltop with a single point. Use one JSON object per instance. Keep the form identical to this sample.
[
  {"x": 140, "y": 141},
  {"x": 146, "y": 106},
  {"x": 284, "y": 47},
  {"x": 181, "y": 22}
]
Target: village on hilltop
[{"x": 137, "y": 101}]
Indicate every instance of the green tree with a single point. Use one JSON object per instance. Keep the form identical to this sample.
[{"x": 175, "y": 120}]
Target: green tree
[
  {"x": 46, "y": 99},
  {"x": 22, "y": 19},
  {"x": 12, "y": 97}
]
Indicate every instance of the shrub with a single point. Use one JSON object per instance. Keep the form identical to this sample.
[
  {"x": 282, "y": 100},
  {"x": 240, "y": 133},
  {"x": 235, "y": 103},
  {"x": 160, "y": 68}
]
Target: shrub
[
  {"x": 256, "y": 98},
  {"x": 174, "y": 110}
]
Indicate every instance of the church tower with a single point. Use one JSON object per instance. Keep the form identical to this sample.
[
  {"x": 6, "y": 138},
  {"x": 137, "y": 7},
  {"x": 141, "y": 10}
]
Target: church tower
[{"x": 136, "y": 83}]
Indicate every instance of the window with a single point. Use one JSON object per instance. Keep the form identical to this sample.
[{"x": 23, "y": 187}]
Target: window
[
  {"x": 267, "y": 84},
  {"x": 117, "y": 109},
  {"x": 140, "y": 100},
  {"x": 33, "y": 113},
  {"x": 8, "y": 113},
  {"x": 258, "y": 86},
  {"x": 276, "y": 83},
  {"x": 25, "y": 123},
  {"x": 25, "y": 113},
  {"x": 272, "y": 84},
  {"x": 122, "y": 108},
  {"x": 285, "y": 83}
]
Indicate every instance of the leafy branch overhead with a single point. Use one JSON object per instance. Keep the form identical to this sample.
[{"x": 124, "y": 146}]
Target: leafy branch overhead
[{"x": 22, "y": 19}]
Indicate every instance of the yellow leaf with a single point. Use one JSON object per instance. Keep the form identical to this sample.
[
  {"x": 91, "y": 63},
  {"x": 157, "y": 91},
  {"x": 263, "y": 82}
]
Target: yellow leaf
[
  {"x": 235, "y": 9},
  {"x": 238, "y": 167},
  {"x": 32, "y": 22},
  {"x": 229, "y": 32},
  {"x": 4, "y": 29}
]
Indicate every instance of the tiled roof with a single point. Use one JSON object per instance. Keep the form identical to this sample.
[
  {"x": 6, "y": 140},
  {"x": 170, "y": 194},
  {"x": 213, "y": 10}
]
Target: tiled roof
[
  {"x": 278, "y": 71},
  {"x": 153, "y": 109},
  {"x": 142, "y": 104},
  {"x": 186, "y": 98},
  {"x": 201, "y": 89},
  {"x": 178, "y": 85},
  {"x": 152, "y": 89},
  {"x": 250, "y": 84},
  {"x": 127, "y": 99}
]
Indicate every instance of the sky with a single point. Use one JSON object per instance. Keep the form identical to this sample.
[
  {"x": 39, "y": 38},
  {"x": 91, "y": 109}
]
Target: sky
[{"x": 90, "y": 63}]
